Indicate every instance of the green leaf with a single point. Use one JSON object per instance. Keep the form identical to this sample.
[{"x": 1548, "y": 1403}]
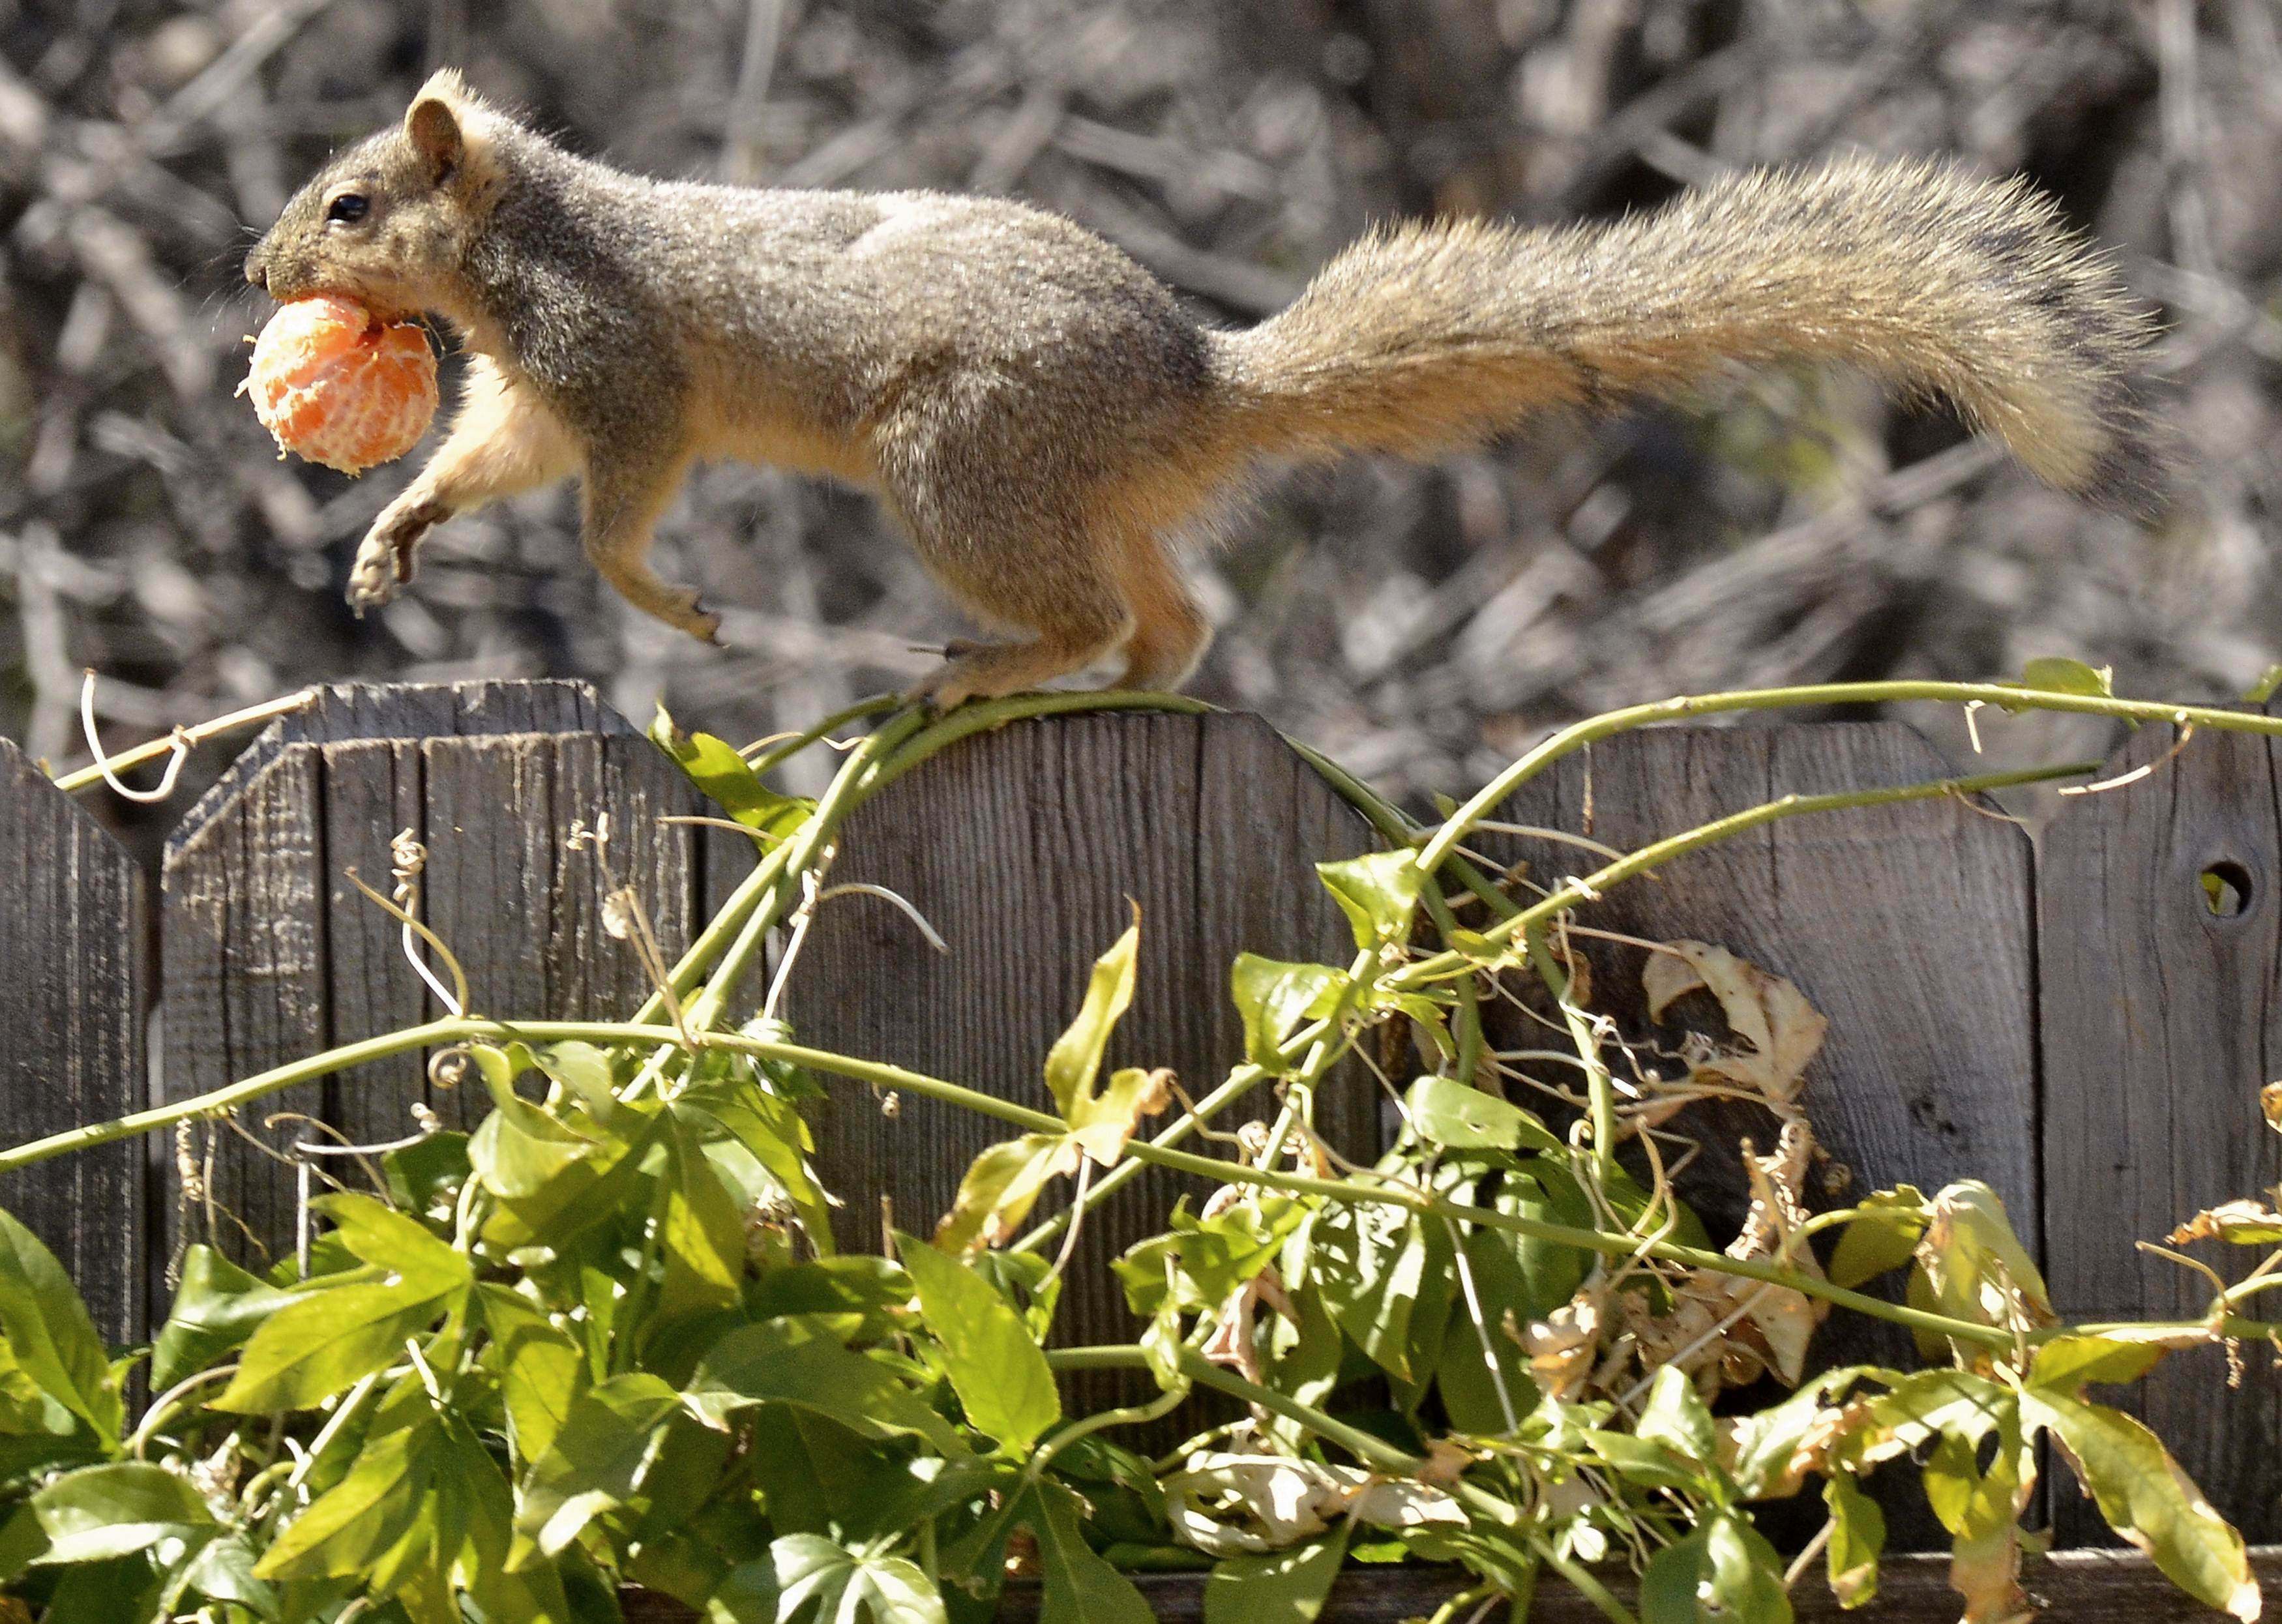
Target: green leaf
[
  {"x": 519, "y": 1149},
  {"x": 216, "y": 1308},
  {"x": 771, "y": 1128},
  {"x": 1000, "y": 1374},
  {"x": 2148, "y": 1500},
  {"x": 1882, "y": 1237},
  {"x": 1283, "y": 1587},
  {"x": 582, "y": 1071},
  {"x": 1102, "y": 1124},
  {"x": 592, "y": 1190},
  {"x": 748, "y": 1595},
  {"x": 1645, "y": 1462},
  {"x": 1675, "y": 1417},
  {"x": 1002, "y": 1186},
  {"x": 1075, "y": 1059},
  {"x": 1377, "y": 892},
  {"x": 1078, "y": 1586},
  {"x": 1924, "y": 1406},
  {"x": 1669, "y": 1584},
  {"x": 1460, "y": 1117},
  {"x": 122, "y": 1509},
  {"x": 479, "y": 1546},
  {"x": 2066, "y": 1363},
  {"x": 50, "y": 1335},
  {"x": 844, "y": 1585},
  {"x": 127, "y": 1591},
  {"x": 540, "y": 1371},
  {"x": 2053, "y": 674},
  {"x": 1746, "y": 1572},
  {"x": 1207, "y": 1259},
  {"x": 348, "y": 1530},
  {"x": 1555, "y": 1271},
  {"x": 1725, "y": 1572},
  {"x": 326, "y": 1341},
  {"x": 872, "y": 1290},
  {"x": 716, "y": 768},
  {"x": 386, "y": 1239},
  {"x": 425, "y": 1176},
  {"x": 1857, "y": 1536},
  {"x": 1273, "y": 997},
  {"x": 701, "y": 1231},
  {"x": 1463, "y": 1374},
  {"x": 222, "y": 1571},
  {"x": 1370, "y": 1264},
  {"x": 797, "y": 1362},
  {"x": 598, "y": 1458}
]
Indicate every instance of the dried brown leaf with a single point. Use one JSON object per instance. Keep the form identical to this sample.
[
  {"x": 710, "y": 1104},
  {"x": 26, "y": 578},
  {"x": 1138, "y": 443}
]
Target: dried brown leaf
[{"x": 1779, "y": 1031}]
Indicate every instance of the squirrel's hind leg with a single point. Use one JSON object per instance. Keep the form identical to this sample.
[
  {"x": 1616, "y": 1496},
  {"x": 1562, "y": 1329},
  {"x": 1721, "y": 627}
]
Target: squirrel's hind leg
[
  {"x": 1171, "y": 631},
  {"x": 1022, "y": 582}
]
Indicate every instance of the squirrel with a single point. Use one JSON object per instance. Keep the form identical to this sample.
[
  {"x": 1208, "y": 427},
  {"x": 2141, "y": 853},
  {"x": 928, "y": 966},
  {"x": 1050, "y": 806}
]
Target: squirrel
[{"x": 1045, "y": 419}]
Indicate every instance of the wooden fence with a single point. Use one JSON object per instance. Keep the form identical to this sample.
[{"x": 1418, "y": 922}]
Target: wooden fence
[{"x": 2082, "y": 1027}]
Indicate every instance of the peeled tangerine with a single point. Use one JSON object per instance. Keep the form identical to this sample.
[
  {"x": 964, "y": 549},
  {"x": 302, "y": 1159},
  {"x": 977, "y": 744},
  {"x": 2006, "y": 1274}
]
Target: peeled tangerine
[{"x": 335, "y": 385}]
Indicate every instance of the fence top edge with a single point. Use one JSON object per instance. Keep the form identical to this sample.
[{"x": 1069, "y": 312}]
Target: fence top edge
[
  {"x": 17, "y": 767},
  {"x": 2155, "y": 747},
  {"x": 342, "y": 714},
  {"x": 347, "y": 713}
]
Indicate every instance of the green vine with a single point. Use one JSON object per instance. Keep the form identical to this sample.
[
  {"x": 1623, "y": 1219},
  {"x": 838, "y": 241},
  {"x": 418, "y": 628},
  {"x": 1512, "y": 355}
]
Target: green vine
[{"x": 608, "y": 1338}]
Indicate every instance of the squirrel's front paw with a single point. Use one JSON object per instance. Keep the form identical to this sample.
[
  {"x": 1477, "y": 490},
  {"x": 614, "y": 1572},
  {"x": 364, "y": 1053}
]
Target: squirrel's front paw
[
  {"x": 372, "y": 579},
  {"x": 384, "y": 561}
]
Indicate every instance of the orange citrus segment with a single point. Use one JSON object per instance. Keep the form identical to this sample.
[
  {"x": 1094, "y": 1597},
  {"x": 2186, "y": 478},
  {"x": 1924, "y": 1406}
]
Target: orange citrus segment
[{"x": 334, "y": 385}]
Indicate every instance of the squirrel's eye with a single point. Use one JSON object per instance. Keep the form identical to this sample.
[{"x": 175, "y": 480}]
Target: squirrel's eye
[{"x": 347, "y": 208}]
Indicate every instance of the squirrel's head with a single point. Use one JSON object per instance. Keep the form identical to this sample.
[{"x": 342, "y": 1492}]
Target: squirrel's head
[{"x": 388, "y": 222}]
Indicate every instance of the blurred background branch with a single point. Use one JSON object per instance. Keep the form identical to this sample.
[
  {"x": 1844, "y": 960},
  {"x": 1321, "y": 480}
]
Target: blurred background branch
[{"x": 1420, "y": 625}]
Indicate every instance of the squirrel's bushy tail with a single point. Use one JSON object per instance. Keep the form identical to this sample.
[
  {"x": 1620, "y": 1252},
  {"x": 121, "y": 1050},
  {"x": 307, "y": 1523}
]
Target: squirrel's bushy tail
[{"x": 1933, "y": 280}]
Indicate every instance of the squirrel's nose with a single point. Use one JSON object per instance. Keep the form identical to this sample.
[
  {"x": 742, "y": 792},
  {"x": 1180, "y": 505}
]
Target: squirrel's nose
[{"x": 256, "y": 272}]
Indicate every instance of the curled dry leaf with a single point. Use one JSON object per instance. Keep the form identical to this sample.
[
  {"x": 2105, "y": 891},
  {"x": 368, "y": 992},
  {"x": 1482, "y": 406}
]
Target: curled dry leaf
[
  {"x": 1232, "y": 1342},
  {"x": 1228, "y": 1505},
  {"x": 2269, "y": 1102},
  {"x": 1447, "y": 1460},
  {"x": 1743, "y": 1328},
  {"x": 1562, "y": 1346},
  {"x": 2244, "y": 1224},
  {"x": 1780, "y": 1031},
  {"x": 1832, "y": 1426}
]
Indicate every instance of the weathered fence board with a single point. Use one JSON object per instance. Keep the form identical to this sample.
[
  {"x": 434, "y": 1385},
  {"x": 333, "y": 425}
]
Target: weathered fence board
[
  {"x": 72, "y": 961},
  {"x": 1022, "y": 848},
  {"x": 1908, "y": 926},
  {"x": 2161, "y": 1023},
  {"x": 244, "y": 973},
  {"x": 272, "y": 955}
]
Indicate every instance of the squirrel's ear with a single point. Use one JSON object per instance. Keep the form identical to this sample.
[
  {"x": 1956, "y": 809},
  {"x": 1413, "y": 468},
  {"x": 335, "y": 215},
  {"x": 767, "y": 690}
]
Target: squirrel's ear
[{"x": 433, "y": 128}]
